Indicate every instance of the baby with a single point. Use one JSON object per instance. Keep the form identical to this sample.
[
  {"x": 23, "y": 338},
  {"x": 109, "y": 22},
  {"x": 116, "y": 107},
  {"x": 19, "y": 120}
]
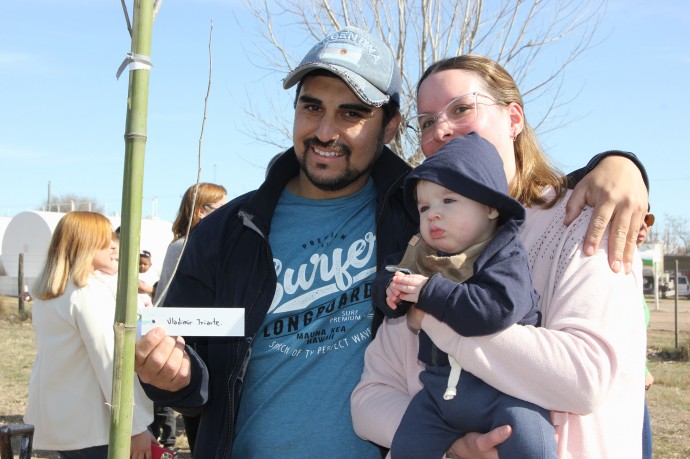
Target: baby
[{"x": 469, "y": 269}]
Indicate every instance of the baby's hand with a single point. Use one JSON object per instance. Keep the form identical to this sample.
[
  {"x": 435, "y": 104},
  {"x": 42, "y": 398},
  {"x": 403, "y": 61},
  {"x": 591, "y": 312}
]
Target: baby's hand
[
  {"x": 408, "y": 286},
  {"x": 393, "y": 294}
]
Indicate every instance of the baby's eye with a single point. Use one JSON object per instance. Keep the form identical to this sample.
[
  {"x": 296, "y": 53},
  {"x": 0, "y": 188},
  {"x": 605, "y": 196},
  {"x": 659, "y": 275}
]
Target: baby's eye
[{"x": 423, "y": 209}]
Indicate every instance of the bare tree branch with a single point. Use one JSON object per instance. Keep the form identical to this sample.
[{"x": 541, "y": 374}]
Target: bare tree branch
[{"x": 536, "y": 40}]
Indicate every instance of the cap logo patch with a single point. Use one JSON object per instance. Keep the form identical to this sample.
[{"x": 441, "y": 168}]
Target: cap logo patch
[
  {"x": 361, "y": 42},
  {"x": 342, "y": 52}
]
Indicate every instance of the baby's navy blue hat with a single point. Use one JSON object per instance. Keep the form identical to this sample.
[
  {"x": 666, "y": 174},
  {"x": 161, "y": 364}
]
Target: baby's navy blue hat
[{"x": 470, "y": 166}]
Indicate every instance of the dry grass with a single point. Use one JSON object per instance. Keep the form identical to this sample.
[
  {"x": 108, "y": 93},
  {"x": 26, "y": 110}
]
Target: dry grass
[{"x": 668, "y": 399}]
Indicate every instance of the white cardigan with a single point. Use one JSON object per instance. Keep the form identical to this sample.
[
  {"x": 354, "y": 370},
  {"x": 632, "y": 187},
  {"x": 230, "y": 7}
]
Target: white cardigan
[{"x": 71, "y": 381}]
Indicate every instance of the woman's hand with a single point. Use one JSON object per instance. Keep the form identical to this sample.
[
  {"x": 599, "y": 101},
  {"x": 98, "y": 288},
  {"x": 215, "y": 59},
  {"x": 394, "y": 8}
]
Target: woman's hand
[
  {"x": 479, "y": 446},
  {"x": 141, "y": 445},
  {"x": 617, "y": 192}
]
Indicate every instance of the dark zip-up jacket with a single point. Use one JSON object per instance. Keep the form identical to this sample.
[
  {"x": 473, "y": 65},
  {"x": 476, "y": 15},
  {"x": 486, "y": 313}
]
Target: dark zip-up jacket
[{"x": 228, "y": 263}]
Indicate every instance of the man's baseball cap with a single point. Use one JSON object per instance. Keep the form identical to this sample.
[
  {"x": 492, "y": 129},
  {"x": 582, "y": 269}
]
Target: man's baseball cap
[{"x": 361, "y": 60}]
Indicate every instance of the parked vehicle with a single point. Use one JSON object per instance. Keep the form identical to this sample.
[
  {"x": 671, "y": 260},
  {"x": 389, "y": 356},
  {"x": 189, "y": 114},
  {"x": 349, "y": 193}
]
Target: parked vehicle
[{"x": 668, "y": 289}]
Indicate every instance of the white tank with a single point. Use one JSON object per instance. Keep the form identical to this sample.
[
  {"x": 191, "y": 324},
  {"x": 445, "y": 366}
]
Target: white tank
[
  {"x": 28, "y": 233},
  {"x": 4, "y": 221}
]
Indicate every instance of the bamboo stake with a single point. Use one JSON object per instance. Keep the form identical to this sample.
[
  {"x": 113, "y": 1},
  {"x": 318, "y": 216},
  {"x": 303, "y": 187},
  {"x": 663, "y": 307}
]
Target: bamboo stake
[{"x": 132, "y": 192}]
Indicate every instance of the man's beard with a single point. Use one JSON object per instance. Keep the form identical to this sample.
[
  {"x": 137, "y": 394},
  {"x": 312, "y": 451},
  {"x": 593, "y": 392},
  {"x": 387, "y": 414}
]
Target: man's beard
[{"x": 349, "y": 176}]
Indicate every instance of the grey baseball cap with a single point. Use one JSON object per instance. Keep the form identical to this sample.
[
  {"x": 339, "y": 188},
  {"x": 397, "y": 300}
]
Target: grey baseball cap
[{"x": 360, "y": 59}]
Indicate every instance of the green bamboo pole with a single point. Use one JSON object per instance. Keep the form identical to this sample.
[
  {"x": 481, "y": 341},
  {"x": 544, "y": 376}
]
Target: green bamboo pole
[{"x": 132, "y": 192}]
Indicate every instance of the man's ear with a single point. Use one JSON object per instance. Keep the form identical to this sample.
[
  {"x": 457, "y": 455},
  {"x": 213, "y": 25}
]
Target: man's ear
[{"x": 391, "y": 128}]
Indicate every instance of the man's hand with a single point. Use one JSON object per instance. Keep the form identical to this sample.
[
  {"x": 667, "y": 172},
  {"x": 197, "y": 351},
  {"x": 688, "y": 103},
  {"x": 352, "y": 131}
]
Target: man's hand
[
  {"x": 161, "y": 361},
  {"x": 479, "y": 446},
  {"x": 617, "y": 192}
]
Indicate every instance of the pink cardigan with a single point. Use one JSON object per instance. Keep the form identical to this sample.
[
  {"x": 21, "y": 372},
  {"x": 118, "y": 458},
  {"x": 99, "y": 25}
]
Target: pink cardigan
[{"x": 585, "y": 364}]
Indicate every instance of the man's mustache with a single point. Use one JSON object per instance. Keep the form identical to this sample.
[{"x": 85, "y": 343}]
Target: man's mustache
[{"x": 334, "y": 145}]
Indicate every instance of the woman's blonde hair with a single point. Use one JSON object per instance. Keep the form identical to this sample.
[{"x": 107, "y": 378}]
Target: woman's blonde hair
[
  {"x": 77, "y": 237},
  {"x": 534, "y": 170},
  {"x": 209, "y": 193}
]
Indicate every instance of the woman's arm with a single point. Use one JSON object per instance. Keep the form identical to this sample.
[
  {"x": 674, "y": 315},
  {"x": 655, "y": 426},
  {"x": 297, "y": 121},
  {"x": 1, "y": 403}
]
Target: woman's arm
[
  {"x": 94, "y": 309},
  {"x": 389, "y": 380}
]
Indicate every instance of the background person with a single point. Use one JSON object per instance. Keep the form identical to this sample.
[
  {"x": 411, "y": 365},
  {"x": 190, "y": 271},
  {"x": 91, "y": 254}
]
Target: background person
[
  {"x": 147, "y": 279},
  {"x": 197, "y": 202},
  {"x": 194, "y": 206},
  {"x": 73, "y": 314}
]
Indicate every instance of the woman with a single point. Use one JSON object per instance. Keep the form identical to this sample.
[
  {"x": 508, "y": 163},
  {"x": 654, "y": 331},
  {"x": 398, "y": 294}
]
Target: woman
[
  {"x": 196, "y": 204},
  {"x": 73, "y": 314},
  {"x": 585, "y": 362}
]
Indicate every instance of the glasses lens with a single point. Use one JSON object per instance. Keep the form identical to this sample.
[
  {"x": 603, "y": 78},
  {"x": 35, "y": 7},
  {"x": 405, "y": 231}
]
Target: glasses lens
[
  {"x": 460, "y": 114},
  {"x": 649, "y": 219}
]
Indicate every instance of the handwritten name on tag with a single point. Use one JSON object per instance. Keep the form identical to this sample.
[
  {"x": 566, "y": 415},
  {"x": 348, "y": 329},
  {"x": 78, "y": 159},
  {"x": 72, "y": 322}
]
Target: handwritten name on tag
[{"x": 193, "y": 321}]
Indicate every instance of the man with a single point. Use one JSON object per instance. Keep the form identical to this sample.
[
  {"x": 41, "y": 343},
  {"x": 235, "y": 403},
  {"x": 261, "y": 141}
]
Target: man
[{"x": 299, "y": 254}]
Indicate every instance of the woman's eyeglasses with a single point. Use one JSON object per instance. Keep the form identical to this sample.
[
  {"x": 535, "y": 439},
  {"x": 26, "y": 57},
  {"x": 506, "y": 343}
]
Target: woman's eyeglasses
[
  {"x": 461, "y": 113},
  {"x": 649, "y": 220}
]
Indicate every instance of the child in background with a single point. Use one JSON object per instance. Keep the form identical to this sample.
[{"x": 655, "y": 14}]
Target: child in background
[
  {"x": 468, "y": 265},
  {"x": 147, "y": 279}
]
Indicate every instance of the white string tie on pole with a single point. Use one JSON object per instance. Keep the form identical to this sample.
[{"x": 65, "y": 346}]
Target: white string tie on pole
[{"x": 134, "y": 62}]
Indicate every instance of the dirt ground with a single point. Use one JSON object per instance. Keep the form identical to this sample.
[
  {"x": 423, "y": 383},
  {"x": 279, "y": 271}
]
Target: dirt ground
[{"x": 663, "y": 316}]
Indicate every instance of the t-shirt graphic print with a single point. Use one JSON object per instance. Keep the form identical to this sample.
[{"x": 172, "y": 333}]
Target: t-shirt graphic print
[{"x": 309, "y": 352}]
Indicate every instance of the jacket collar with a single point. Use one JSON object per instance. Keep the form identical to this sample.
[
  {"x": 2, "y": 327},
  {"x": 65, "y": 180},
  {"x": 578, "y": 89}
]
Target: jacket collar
[{"x": 388, "y": 173}]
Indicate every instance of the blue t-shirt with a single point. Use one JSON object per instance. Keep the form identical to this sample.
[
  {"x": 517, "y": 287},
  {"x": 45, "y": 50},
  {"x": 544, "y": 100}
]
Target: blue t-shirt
[{"x": 309, "y": 353}]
